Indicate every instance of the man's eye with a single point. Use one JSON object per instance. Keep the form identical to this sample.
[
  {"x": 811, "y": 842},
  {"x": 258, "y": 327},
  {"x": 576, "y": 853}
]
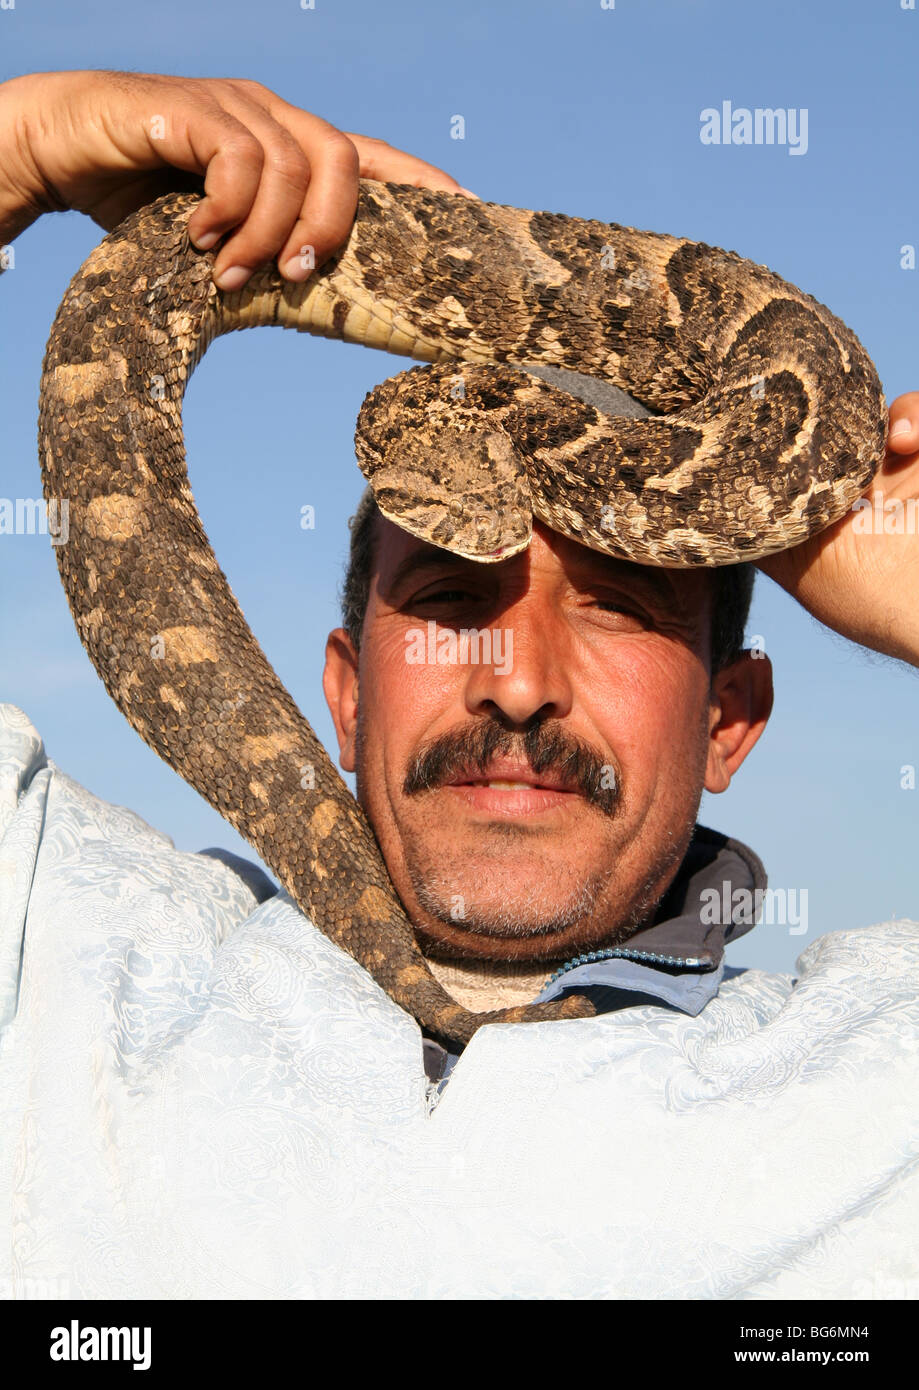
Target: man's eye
[
  {"x": 625, "y": 609},
  {"x": 615, "y": 605},
  {"x": 445, "y": 596}
]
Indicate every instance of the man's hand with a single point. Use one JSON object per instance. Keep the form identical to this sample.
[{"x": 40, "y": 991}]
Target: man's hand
[
  {"x": 861, "y": 577},
  {"x": 276, "y": 178}
]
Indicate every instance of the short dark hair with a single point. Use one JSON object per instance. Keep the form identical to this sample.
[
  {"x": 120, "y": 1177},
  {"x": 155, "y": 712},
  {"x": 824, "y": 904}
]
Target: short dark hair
[{"x": 733, "y": 590}]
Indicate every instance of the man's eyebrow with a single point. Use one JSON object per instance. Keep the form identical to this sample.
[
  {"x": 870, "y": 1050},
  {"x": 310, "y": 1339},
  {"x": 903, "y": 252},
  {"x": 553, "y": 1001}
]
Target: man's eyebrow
[
  {"x": 604, "y": 569},
  {"x": 657, "y": 580},
  {"x": 428, "y": 560}
]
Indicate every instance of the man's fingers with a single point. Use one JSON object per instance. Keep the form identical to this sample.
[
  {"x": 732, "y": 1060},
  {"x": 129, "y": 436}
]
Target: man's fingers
[
  {"x": 328, "y": 209},
  {"x": 325, "y": 214},
  {"x": 215, "y": 144},
  {"x": 307, "y": 194},
  {"x": 389, "y": 165},
  {"x": 903, "y": 431},
  {"x": 278, "y": 181},
  {"x": 285, "y": 177}
]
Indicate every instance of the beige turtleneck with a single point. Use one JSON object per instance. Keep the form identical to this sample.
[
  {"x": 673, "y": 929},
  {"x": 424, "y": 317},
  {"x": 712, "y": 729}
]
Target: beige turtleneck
[{"x": 482, "y": 985}]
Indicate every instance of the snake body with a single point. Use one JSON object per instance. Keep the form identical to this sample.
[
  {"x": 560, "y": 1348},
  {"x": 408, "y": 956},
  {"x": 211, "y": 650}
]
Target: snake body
[{"x": 771, "y": 422}]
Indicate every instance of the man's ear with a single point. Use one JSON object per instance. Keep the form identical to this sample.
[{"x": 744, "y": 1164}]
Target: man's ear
[
  {"x": 741, "y": 702},
  {"x": 339, "y": 684}
]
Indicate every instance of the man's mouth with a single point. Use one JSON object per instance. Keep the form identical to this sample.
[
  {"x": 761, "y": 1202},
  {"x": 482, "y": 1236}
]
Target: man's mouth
[
  {"x": 487, "y": 768},
  {"x": 499, "y": 786},
  {"x": 509, "y": 776},
  {"x": 512, "y": 790}
]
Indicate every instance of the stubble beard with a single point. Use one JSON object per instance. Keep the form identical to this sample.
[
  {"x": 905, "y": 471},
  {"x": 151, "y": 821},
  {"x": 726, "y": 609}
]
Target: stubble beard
[
  {"x": 538, "y": 909},
  {"x": 533, "y": 911}
]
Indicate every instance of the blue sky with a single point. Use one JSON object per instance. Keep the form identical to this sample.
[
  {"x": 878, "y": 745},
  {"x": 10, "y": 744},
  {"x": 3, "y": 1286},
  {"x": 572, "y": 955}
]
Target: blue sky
[{"x": 569, "y": 107}]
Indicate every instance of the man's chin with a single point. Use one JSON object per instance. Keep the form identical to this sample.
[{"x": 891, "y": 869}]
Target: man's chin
[
  {"x": 446, "y": 942},
  {"x": 537, "y": 923},
  {"x": 497, "y": 926}
]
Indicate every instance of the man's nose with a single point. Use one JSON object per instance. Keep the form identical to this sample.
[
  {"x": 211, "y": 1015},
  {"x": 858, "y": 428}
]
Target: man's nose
[{"x": 525, "y": 673}]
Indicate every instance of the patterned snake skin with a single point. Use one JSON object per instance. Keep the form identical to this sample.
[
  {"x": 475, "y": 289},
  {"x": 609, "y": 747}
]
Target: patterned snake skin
[{"x": 772, "y": 423}]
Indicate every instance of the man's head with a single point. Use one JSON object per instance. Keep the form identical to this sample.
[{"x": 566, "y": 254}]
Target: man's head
[{"x": 610, "y": 693}]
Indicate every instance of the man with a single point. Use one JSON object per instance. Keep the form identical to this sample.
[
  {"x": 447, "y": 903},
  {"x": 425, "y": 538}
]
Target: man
[
  {"x": 536, "y": 805},
  {"x": 223, "y": 1102}
]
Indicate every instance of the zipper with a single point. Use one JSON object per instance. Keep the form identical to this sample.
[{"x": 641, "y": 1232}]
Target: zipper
[{"x": 624, "y": 953}]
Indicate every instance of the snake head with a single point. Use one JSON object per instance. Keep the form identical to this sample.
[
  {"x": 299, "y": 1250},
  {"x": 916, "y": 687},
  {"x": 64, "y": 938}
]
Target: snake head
[{"x": 432, "y": 445}]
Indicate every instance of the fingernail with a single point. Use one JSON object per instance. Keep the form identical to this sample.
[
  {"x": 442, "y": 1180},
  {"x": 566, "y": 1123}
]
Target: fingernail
[
  {"x": 233, "y": 278},
  {"x": 205, "y": 242},
  {"x": 900, "y": 427},
  {"x": 469, "y": 194},
  {"x": 294, "y": 269}
]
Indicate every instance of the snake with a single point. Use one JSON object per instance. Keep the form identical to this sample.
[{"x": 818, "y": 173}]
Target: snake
[{"x": 767, "y": 421}]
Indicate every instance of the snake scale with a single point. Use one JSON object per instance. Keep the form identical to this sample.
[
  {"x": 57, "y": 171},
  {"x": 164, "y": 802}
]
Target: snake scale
[{"x": 770, "y": 422}]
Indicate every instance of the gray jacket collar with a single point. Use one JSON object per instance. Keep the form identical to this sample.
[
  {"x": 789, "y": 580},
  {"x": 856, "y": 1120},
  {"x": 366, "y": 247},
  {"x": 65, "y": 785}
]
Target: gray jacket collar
[
  {"x": 695, "y": 917},
  {"x": 679, "y": 958}
]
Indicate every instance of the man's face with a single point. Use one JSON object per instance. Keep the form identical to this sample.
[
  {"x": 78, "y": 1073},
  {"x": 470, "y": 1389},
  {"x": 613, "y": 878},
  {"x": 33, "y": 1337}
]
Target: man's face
[{"x": 536, "y": 797}]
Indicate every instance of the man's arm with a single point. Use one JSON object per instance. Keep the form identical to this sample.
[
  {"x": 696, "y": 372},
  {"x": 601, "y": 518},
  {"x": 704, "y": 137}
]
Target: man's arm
[
  {"x": 275, "y": 178},
  {"x": 861, "y": 577}
]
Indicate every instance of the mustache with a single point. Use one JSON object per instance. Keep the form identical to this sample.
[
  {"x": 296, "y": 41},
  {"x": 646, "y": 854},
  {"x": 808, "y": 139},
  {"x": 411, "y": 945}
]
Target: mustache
[{"x": 544, "y": 745}]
